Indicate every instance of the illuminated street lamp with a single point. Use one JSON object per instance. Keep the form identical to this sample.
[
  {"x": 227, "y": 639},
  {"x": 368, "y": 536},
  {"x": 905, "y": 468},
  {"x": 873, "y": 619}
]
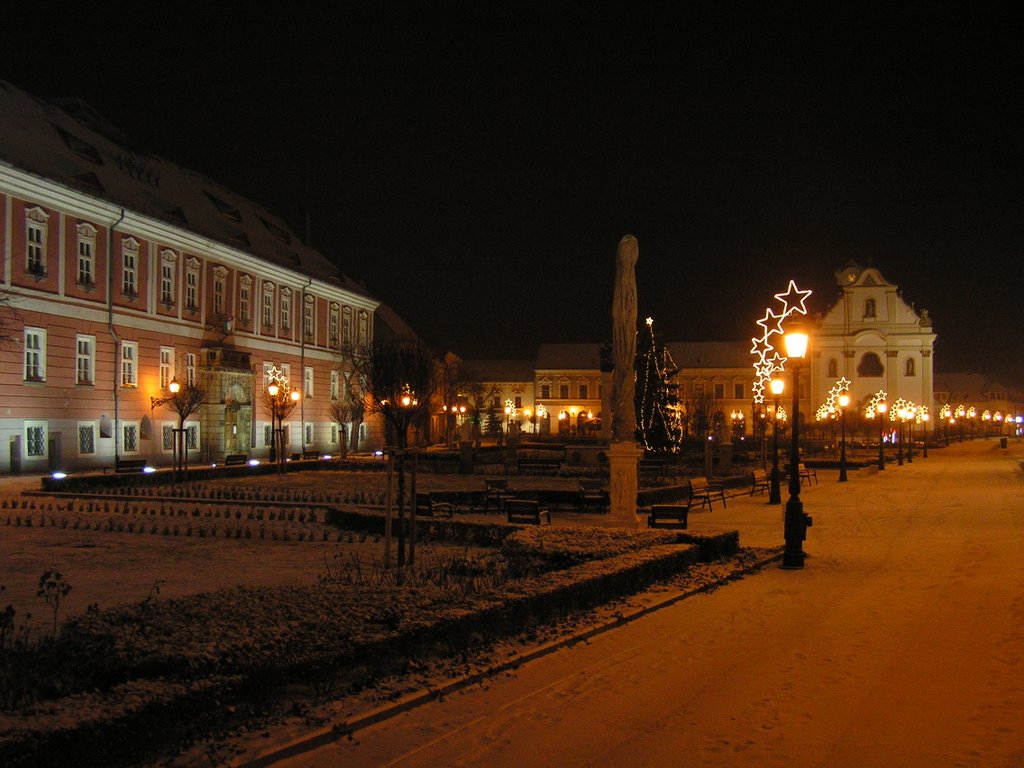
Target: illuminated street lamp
[
  {"x": 281, "y": 399},
  {"x": 844, "y": 401},
  {"x": 880, "y": 409},
  {"x": 796, "y": 522},
  {"x": 774, "y": 494},
  {"x": 923, "y": 416},
  {"x": 900, "y": 413}
]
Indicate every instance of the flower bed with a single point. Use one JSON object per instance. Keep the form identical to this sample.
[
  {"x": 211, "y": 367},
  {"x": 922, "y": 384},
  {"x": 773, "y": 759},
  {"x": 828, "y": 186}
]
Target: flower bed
[{"x": 184, "y": 661}]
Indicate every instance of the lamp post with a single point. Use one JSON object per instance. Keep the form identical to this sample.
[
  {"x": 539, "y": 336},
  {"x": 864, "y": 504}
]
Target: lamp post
[
  {"x": 911, "y": 415},
  {"x": 154, "y": 402},
  {"x": 924, "y": 427},
  {"x": 282, "y": 399},
  {"x": 901, "y": 414},
  {"x": 844, "y": 401},
  {"x": 880, "y": 409},
  {"x": 796, "y": 522},
  {"x": 774, "y": 494}
]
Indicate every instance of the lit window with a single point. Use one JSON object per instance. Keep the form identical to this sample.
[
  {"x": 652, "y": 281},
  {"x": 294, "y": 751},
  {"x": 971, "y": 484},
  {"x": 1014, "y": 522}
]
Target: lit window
[
  {"x": 190, "y": 368},
  {"x": 167, "y": 268},
  {"x": 307, "y": 317},
  {"x": 334, "y": 385},
  {"x": 307, "y": 380}
]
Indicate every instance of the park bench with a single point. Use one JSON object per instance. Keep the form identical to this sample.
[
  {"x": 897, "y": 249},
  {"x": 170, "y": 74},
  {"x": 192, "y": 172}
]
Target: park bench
[
  {"x": 701, "y": 489},
  {"x": 496, "y": 492},
  {"x": 235, "y": 459},
  {"x": 592, "y": 496},
  {"x": 761, "y": 482},
  {"x": 129, "y": 465},
  {"x": 806, "y": 473},
  {"x": 526, "y": 511},
  {"x": 539, "y": 465},
  {"x": 668, "y": 516},
  {"x": 427, "y": 505}
]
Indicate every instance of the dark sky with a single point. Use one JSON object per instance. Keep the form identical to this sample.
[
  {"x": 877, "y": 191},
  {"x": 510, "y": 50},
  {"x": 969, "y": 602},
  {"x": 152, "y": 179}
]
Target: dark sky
[{"x": 476, "y": 164}]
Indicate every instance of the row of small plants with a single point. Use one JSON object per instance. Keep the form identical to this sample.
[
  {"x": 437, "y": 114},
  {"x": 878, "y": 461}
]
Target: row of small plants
[
  {"x": 234, "y": 492},
  {"x": 198, "y": 530}
]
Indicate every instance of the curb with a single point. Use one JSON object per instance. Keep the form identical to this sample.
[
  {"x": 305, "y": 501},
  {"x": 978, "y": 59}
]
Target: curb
[{"x": 326, "y": 735}]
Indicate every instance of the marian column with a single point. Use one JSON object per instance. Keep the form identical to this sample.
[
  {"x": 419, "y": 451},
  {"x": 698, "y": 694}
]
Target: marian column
[{"x": 624, "y": 451}]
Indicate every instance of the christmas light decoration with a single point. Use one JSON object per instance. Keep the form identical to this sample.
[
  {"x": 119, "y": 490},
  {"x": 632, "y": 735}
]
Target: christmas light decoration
[{"x": 767, "y": 360}]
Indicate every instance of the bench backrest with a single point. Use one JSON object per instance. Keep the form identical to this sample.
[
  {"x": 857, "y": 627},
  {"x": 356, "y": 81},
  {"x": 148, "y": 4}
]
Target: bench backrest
[
  {"x": 669, "y": 510},
  {"x": 698, "y": 483},
  {"x": 522, "y": 507}
]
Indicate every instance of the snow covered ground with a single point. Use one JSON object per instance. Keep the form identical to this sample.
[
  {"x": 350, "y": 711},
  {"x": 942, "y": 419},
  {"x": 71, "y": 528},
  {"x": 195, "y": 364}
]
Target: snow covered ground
[{"x": 899, "y": 644}]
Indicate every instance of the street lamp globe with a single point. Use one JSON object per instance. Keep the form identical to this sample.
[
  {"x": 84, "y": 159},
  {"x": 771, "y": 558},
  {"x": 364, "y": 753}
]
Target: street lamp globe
[
  {"x": 174, "y": 386},
  {"x": 273, "y": 388}
]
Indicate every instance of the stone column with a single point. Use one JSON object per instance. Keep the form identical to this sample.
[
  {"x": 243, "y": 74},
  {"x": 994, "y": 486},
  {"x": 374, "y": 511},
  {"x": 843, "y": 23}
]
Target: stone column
[
  {"x": 624, "y": 451},
  {"x": 623, "y": 458}
]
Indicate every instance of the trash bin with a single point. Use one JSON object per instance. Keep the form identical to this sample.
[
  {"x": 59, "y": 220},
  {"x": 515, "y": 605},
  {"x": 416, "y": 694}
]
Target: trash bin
[{"x": 1002, "y": 442}]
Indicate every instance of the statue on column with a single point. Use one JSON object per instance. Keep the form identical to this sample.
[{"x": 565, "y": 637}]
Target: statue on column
[
  {"x": 624, "y": 341},
  {"x": 623, "y": 452}
]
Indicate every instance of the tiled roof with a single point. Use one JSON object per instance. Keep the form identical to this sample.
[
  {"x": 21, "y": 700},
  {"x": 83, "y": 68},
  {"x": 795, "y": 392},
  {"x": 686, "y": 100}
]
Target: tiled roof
[{"x": 83, "y": 153}]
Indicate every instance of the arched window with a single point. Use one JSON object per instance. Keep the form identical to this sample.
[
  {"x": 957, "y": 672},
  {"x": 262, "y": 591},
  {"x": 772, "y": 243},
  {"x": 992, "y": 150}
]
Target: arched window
[
  {"x": 870, "y": 365},
  {"x": 910, "y": 369},
  {"x": 869, "y": 308},
  {"x": 833, "y": 368}
]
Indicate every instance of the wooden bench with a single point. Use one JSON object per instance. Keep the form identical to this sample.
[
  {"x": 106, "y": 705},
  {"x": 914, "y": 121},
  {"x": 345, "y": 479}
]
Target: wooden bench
[
  {"x": 496, "y": 492},
  {"x": 526, "y": 511},
  {"x": 593, "y": 496},
  {"x": 761, "y": 482},
  {"x": 427, "y": 505},
  {"x": 707, "y": 492},
  {"x": 130, "y": 465},
  {"x": 668, "y": 516},
  {"x": 235, "y": 459},
  {"x": 539, "y": 465},
  {"x": 806, "y": 473}
]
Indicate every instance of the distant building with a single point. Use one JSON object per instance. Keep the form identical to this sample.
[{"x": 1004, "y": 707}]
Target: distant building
[{"x": 125, "y": 272}]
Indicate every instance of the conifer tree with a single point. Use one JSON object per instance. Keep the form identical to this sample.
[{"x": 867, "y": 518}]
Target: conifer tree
[{"x": 658, "y": 423}]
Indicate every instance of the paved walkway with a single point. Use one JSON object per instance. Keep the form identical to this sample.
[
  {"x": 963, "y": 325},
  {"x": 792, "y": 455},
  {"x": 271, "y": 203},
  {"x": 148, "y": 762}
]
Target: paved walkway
[{"x": 899, "y": 644}]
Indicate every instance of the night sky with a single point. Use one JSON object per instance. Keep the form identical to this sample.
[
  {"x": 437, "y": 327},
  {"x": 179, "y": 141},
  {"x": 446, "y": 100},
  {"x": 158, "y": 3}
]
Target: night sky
[{"x": 476, "y": 164}]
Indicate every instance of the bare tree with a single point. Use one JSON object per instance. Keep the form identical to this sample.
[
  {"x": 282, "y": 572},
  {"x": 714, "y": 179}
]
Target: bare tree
[
  {"x": 347, "y": 410},
  {"x": 399, "y": 380},
  {"x": 184, "y": 400}
]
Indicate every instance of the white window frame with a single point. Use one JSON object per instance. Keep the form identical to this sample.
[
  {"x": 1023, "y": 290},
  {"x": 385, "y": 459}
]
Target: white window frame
[
  {"x": 244, "y": 299},
  {"x": 85, "y": 359},
  {"x": 129, "y": 364},
  {"x": 268, "y": 434},
  {"x": 192, "y": 285},
  {"x": 130, "y": 267},
  {"x": 168, "y": 268},
  {"x": 90, "y": 427},
  {"x": 286, "y": 373},
  {"x": 36, "y": 236},
  {"x": 363, "y": 329},
  {"x": 268, "y": 367},
  {"x": 268, "y": 307},
  {"x": 309, "y": 434},
  {"x": 307, "y": 383},
  {"x": 309, "y": 317},
  {"x": 190, "y": 369},
  {"x": 333, "y": 325},
  {"x": 191, "y": 436},
  {"x": 34, "y": 360},
  {"x": 30, "y": 429},
  {"x": 130, "y": 428},
  {"x": 166, "y": 367},
  {"x": 86, "y": 255},
  {"x": 346, "y": 325},
  {"x": 220, "y": 287},
  {"x": 286, "y": 310},
  {"x": 335, "y": 385},
  {"x": 167, "y": 431}
]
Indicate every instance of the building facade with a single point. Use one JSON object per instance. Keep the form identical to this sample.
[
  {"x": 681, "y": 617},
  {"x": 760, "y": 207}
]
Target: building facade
[{"x": 123, "y": 272}]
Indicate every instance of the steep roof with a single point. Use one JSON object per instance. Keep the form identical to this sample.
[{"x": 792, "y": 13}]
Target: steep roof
[
  {"x": 74, "y": 147},
  {"x": 711, "y": 354},
  {"x": 496, "y": 370},
  {"x": 569, "y": 356}
]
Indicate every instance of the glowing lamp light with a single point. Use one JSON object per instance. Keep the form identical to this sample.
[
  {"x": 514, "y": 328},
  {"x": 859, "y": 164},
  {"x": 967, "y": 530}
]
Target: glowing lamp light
[
  {"x": 59, "y": 475},
  {"x": 844, "y": 400},
  {"x": 148, "y": 470},
  {"x": 796, "y": 342},
  {"x": 295, "y": 395},
  {"x": 174, "y": 386},
  {"x": 273, "y": 388},
  {"x": 254, "y": 462},
  {"x": 777, "y": 386}
]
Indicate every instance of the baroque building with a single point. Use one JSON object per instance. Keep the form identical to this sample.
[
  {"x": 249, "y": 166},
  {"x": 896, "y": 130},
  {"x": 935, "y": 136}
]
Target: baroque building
[
  {"x": 123, "y": 272},
  {"x": 874, "y": 339}
]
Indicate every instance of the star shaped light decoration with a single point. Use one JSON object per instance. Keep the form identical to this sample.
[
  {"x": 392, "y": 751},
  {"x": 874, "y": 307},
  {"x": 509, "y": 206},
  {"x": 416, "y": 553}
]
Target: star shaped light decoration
[
  {"x": 870, "y": 408},
  {"x": 843, "y": 385},
  {"x": 767, "y": 361}
]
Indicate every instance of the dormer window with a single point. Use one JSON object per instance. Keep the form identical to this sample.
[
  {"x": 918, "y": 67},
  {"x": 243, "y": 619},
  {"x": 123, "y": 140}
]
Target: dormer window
[
  {"x": 226, "y": 210},
  {"x": 79, "y": 147}
]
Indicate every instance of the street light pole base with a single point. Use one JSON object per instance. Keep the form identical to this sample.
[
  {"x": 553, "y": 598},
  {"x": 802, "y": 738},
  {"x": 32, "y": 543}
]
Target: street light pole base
[{"x": 792, "y": 561}]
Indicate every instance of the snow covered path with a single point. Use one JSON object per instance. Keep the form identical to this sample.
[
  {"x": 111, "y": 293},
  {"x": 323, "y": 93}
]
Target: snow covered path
[{"x": 899, "y": 644}]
